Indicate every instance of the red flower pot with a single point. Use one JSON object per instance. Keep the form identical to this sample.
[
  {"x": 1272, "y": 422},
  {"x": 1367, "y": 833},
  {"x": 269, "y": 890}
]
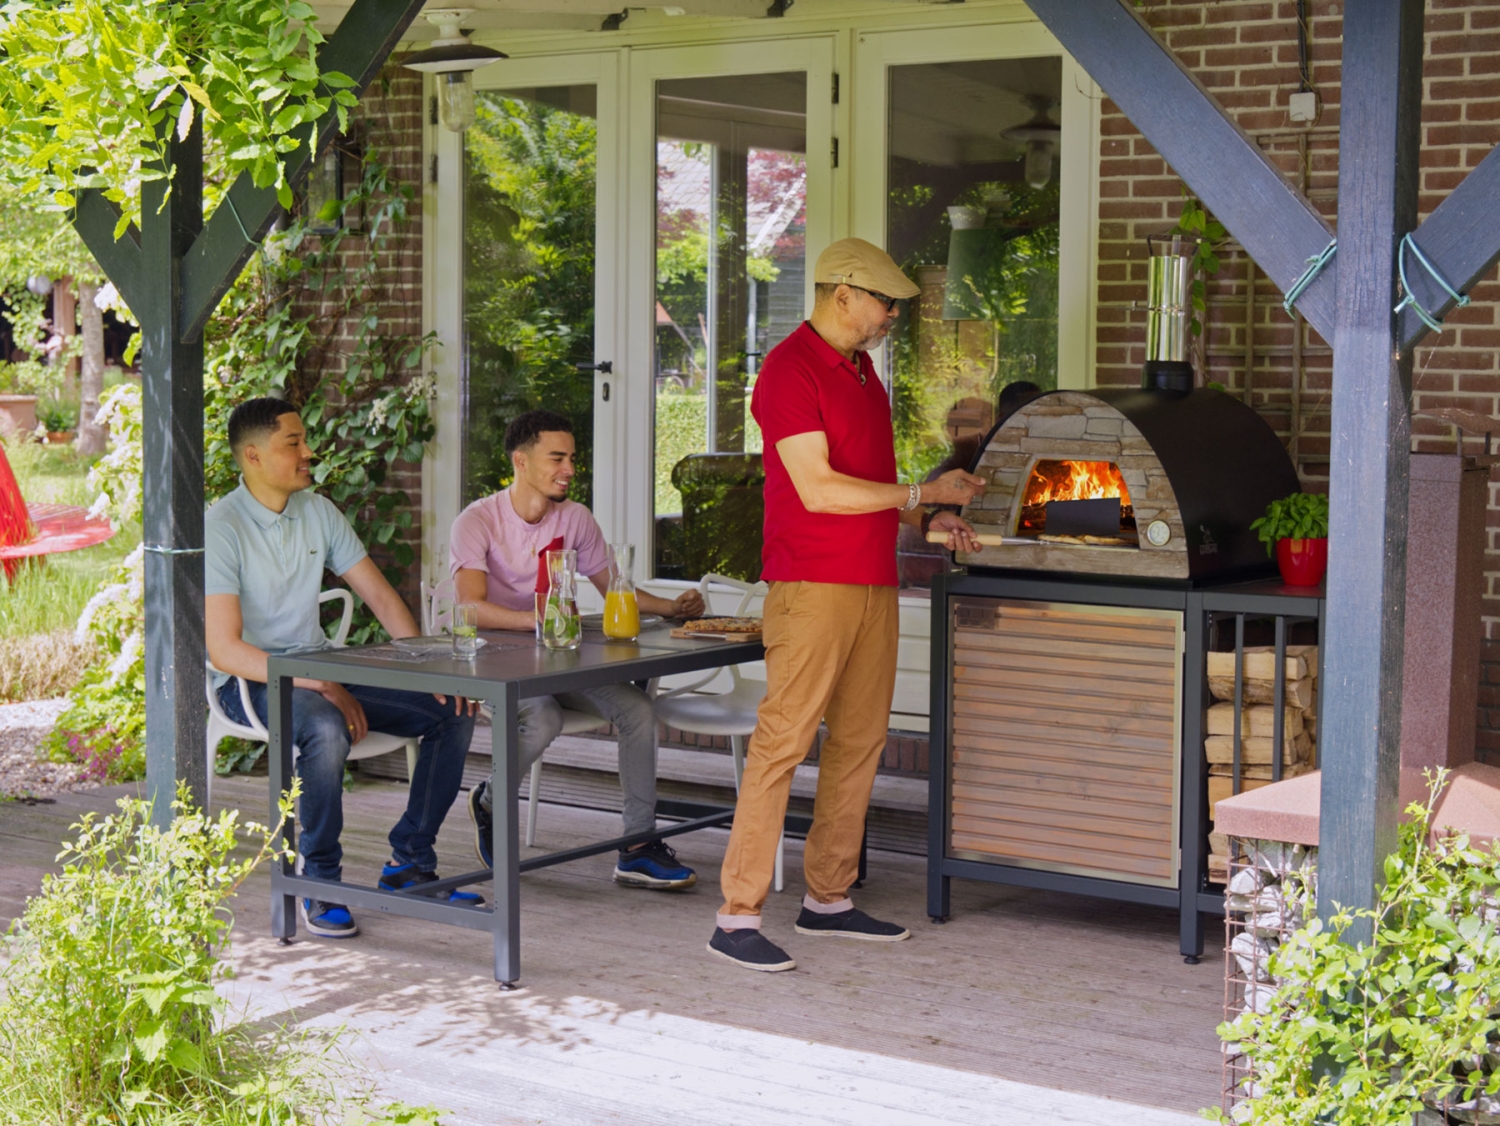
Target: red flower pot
[{"x": 1302, "y": 562}]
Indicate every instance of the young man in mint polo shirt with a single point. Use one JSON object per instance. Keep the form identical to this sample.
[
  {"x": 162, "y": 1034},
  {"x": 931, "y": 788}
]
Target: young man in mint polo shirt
[
  {"x": 493, "y": 550},
  {"x": 832, "y": 511},
  {"x": 267, "y": 545}
]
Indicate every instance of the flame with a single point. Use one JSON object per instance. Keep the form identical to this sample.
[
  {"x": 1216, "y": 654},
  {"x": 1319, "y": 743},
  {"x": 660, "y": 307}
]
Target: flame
[{"x": 1075, "y": 480}]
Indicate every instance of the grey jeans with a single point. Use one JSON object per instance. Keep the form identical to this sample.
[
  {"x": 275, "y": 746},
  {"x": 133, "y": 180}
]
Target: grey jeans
[{"x": 540, "y": 721}]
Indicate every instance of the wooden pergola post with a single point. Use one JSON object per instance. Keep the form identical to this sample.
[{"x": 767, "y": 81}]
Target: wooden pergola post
[
  {"x": 1351, "y": 303},
  {"x": 1360, "y": 728},
  {"x": 172, "y": 272}
]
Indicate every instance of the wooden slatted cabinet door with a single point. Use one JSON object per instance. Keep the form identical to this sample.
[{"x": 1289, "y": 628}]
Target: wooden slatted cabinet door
[{"x": 1065, "y": 737}]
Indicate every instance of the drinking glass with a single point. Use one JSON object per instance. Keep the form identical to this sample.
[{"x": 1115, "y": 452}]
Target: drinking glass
[{"x": 465, "y": 629}]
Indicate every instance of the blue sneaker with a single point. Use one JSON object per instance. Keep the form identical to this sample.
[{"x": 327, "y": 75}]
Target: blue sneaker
[
  {"x": 327, "y": 920},
  {"x": 399, "y": 877},
  {"x": 653, "y": 865},
  {"x": 484, "y": 825}
]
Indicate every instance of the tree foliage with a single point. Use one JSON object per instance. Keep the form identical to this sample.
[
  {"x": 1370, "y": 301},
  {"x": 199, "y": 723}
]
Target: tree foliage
[{"x": 92, "y": 90}]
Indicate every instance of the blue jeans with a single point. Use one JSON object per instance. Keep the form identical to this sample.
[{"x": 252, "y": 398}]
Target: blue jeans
[{"x": 322, "y": 742}]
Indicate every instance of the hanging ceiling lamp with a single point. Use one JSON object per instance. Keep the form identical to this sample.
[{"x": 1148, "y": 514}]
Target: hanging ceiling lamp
[
  {"x": 1040, "y": 137},
  {"x": 453, "y": 59}
]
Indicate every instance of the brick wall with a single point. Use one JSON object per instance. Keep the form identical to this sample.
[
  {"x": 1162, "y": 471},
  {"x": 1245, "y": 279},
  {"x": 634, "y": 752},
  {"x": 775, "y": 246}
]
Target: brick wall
[
  {"x": 390, "y": 119},
  {"x": 1246, "y": 54}
]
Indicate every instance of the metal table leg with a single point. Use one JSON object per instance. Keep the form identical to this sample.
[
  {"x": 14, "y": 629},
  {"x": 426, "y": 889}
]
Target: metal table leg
[
  {"x": 279, "y": 754},
  {"x": 505, "y": 843}
]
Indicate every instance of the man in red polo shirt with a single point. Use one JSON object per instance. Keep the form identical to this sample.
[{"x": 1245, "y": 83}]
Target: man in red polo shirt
[{"x": 831, "y": 618}]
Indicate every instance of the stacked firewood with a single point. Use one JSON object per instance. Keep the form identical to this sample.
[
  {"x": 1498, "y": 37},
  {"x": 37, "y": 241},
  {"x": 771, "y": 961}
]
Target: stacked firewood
[{"x": 1258, "y": 752}]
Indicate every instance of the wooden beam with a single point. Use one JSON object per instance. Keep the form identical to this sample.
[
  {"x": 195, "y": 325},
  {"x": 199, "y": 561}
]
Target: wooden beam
[
  {"x": 1273, "y": 221},
  {"x": 172, "y": 484},
  {"x": 1462, "y": 241},
  {"x": 94, "y": 219},
  {"x": 1360, "y": 729},
  {"x": 359, "y": 48}
]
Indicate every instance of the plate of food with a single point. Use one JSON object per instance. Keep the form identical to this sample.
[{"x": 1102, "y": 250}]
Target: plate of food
[{"x": 720, "y": 629}]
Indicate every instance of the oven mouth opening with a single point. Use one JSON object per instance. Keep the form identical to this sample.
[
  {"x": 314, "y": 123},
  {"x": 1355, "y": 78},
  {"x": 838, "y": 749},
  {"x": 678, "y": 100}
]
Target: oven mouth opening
[{"x": 1078, "y": 503}]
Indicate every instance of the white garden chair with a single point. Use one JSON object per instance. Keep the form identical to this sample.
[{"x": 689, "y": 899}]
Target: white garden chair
[
  {"x": 730, "y": 713},
  {"x": 220, "y": 726}
]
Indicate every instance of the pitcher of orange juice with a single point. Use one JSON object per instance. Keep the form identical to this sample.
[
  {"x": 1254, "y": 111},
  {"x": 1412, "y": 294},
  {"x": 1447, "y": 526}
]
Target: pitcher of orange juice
[{"x": 622, "y": 614}]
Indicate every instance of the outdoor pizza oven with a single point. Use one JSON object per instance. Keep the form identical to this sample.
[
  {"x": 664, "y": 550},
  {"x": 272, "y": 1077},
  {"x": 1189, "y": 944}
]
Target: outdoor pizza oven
[{"x": 1138, "y": 484}]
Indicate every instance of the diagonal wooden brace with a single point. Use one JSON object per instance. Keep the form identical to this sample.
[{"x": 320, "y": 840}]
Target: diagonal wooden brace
[
  {"x": 1462, "y": 241},
  {"x": 1273, "y": 221},
  {"x": 364, "y": 40},
  {"x": 94, "y": 219}
]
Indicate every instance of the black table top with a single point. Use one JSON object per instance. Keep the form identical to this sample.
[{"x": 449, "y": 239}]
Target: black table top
[{"x": 517, "y": 658}]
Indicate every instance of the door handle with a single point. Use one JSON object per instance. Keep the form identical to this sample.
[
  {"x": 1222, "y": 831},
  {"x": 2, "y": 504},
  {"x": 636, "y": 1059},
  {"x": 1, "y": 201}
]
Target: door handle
[{"x": 604, "y": 367}]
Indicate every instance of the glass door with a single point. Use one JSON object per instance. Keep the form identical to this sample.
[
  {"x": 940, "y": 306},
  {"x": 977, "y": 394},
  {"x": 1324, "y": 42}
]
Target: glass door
[
  {"x": 731, "y": 237},
  {"x": 738, "y": 186},
  {"x": 530, "y": 260}
]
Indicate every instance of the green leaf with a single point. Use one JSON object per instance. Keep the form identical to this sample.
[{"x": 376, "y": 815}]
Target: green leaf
[{"x": 150, "y": 1039}]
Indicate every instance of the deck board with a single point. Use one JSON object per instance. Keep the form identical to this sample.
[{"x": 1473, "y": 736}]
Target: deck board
[{"x": 1046, "y": 1003}]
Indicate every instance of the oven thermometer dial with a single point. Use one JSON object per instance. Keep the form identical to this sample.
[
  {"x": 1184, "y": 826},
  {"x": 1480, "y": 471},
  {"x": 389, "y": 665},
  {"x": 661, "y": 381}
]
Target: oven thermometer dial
[{"x": 1157, "y": 533}]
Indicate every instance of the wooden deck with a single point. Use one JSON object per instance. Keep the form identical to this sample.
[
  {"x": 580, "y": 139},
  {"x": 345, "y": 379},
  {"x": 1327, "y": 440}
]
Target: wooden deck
[{"x": 1025, "y": 1008}]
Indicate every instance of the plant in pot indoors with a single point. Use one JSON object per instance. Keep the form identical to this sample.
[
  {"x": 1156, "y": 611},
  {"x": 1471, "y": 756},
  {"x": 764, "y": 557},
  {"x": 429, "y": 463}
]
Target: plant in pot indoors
[{"x": 1295, "y": 531}]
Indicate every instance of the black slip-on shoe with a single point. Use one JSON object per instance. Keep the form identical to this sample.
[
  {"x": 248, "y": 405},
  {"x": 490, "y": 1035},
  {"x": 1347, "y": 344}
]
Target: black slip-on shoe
[
  {"x": 750, "y": 949},
  {"x": 852, "y": 923},
  {"x": 484, "y": 825}
]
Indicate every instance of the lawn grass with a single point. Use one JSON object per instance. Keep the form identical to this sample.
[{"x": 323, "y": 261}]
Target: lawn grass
[{"x": 40, "y": 607}]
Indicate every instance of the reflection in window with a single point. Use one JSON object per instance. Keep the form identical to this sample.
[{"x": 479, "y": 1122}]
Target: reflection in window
[
  {"x": 731, "y": 188},
  {"x": 528, "y": 274},
  {"x": 972, "y": 218}
]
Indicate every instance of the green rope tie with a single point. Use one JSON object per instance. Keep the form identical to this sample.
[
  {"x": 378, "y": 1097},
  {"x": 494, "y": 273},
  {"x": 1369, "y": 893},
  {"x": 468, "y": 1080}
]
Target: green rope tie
[
  {"x": 1315, "y": 266},
  {"x": 229, "y": 199},
  {"x": 1432, "y": 322}
]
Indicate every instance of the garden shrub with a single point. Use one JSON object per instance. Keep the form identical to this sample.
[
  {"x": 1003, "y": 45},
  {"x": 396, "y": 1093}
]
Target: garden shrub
[
  {"x": 109, "y": 1012},
  {"x": 104, "y": 724},
  {"x": 1367, "y": 1034}
]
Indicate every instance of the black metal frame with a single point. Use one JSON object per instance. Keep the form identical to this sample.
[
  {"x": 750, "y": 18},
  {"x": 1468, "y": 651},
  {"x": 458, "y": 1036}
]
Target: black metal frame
[
  {"x": 500, "y": 679},
  {"x": 1199, "y": 607}
]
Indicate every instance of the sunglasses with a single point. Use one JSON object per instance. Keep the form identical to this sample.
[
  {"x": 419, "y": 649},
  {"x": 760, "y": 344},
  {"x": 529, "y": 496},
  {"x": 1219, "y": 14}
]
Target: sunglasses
[{"x": 888, "y": 302}]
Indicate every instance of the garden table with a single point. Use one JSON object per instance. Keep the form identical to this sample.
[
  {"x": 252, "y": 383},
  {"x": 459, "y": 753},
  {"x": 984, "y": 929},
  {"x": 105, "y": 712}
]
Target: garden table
[{"x": 510, "y": 667}]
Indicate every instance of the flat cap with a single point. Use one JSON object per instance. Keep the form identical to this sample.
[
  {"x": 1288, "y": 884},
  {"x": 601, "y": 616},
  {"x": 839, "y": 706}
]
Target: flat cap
[{"x": 853, "y": 261}]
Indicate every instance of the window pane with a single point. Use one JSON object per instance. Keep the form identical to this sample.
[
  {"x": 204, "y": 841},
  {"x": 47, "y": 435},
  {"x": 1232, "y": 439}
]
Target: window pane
[
  {"x": 528, "y": 274},
  {"x": 972, "y": 217},
  {"x": 731, "y": 193}
]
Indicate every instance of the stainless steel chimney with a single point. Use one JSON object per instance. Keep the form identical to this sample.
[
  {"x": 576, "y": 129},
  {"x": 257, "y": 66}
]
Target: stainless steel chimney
[{"x": 1169, "y": 309}]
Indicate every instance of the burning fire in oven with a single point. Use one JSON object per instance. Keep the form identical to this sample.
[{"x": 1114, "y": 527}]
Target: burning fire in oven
[{"x": 1055, "y": 481}]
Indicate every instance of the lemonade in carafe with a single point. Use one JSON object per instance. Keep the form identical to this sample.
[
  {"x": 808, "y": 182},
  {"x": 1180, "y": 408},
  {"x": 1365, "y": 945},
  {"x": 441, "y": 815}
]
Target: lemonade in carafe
[{"x": 622, "y": 613}]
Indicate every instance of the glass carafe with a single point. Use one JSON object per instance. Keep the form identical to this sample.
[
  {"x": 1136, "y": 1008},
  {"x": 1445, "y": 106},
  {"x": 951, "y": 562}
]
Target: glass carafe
[
  {"x": 561, "y": 628},
  {"x": 622, "y": 613}
]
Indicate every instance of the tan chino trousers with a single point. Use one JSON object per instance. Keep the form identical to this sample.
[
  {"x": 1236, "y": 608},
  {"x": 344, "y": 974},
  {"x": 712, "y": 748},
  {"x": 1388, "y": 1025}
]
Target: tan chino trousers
[{"x": 830, "y": 654}]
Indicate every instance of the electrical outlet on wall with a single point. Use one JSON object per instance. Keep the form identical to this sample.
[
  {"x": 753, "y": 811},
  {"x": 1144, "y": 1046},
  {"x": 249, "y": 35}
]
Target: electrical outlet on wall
[{"x": 1303, "y": 106}]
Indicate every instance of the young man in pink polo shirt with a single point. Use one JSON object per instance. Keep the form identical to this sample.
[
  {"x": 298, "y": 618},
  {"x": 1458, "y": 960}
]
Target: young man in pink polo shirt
[
  {"x": 493, "y": 556},
  {"x": 832, "y": 511}
]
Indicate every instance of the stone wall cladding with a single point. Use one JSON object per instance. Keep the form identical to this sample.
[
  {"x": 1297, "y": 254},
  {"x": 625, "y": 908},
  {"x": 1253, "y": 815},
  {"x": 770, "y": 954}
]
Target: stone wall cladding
[
  {"x": 1073, "y": 425},
  {"x": 1245, "y": 53}
]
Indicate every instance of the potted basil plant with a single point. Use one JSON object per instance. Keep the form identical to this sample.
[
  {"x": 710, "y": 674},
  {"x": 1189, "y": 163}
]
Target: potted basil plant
[{"x": 1295, "y": 531}]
